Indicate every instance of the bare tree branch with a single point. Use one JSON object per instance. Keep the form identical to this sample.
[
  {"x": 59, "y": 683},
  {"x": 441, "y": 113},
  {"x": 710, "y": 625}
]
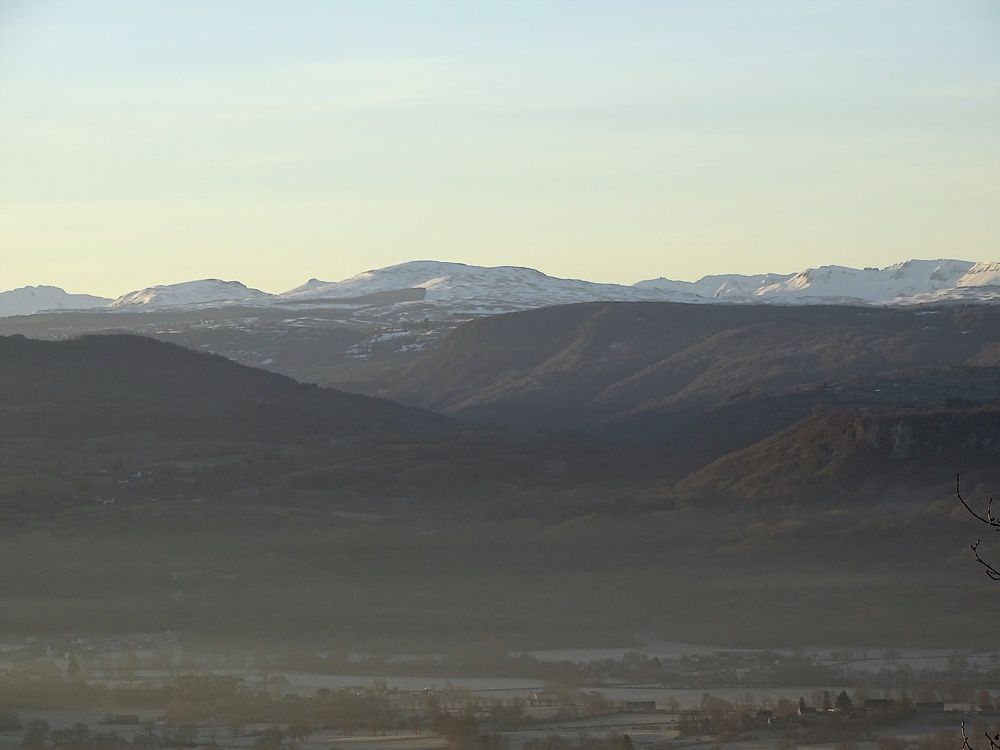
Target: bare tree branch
[
  {"x": 990, "y": 520},
  {"x": 967, "y": 745},
  {"x": 990, "y": 570}
]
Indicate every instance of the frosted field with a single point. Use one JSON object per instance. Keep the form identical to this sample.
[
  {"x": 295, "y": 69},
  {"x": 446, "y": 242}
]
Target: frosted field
[
  {"x": 509, "y": 688},
  {"x": 669, "y": 650},
  {"x": 307, "y": 683},
  {"x": 499, "y": 688},
  {"x": 865, "y": 659}
]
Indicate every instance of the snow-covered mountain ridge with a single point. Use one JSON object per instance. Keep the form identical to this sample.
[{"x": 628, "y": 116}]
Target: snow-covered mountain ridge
[
  {"x": 460, "y": 289},
  {"x": 29, "y": 300},
  {"x": 476, "y": 289},
  {"x": 190, "y": 294},
  {"x": 482, "y": 289}
]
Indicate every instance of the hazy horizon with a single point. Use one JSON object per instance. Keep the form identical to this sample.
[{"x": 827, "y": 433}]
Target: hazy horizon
[{"x": 166, "y": 141}]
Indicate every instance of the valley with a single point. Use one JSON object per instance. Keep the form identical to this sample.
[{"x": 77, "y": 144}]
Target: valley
[{"x": 572, "y": 473}]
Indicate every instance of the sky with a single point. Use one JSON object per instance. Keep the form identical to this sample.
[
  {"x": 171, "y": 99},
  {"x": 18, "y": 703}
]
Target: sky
[{"x": 158, "y": 141}]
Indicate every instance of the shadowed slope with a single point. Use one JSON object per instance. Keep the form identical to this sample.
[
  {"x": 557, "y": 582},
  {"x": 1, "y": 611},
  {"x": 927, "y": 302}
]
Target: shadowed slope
[{"x": 108, "y": 384}]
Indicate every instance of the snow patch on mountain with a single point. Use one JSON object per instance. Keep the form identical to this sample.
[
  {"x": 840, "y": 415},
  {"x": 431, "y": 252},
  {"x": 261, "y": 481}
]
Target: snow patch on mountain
[
  {"x": 981, "y": 274},
  {"x": 893, "y": 284},
  {"x": 732, "y": 287},
  {"x": 29, "y": 300},
  {"x": 461, "y": 287},
  {"x": 205, "y": 292}
]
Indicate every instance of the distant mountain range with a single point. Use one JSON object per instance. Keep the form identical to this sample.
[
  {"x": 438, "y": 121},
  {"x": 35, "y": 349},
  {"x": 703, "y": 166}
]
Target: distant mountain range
[{"x": 450, "y": 289}]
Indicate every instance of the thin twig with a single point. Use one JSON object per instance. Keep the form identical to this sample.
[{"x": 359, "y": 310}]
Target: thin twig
[
  {"x": 990, "y": 570},
  {"x": 967, "y": 745},
  {"x": 989, "y": 519}
]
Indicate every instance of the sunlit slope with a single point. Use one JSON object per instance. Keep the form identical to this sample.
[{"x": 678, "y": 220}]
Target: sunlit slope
[{"x": 644, "y": 369}]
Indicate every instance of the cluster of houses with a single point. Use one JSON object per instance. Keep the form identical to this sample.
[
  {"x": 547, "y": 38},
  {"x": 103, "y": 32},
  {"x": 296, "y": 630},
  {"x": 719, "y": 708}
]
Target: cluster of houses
[
  {"x": 699, "y": 720},
  {"x": 888, "y": 706}
]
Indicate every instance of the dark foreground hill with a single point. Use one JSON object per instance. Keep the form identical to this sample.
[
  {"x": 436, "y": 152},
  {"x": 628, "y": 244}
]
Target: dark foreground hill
[
  {"x": 123, "y": 419},
  {"x": 108, "y": 385}
]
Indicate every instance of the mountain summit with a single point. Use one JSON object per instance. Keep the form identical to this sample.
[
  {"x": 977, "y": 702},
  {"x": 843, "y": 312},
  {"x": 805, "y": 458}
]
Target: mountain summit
[
  {"x": 29, "y": 300},
  {"x": 475, "y": 289},
  {"x": 191, "y": 294}
]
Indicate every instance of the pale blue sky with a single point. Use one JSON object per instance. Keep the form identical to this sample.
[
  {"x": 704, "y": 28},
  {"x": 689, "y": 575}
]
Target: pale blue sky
[{"x": 153, "y": 141}]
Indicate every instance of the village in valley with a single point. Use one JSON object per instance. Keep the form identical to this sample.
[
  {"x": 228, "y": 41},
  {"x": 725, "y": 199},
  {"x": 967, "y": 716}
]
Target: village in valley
[{"x": 150, "y": 693}]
